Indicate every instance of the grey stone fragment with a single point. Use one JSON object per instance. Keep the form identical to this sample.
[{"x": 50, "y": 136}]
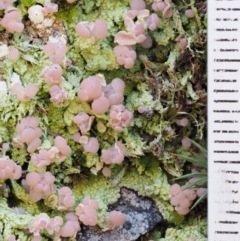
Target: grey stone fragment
[{"x": 142, "y": 216}]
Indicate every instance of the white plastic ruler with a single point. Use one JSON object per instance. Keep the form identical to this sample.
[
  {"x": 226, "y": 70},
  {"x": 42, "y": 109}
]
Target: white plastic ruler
[{"x": 223, "y": 120}]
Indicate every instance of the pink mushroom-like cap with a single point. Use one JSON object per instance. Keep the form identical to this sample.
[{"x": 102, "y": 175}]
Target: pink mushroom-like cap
[
  {"x": 92, "y": 146},
  {"x": 32, "y": 178},
  {"x": 91, "y": 88},
  {"x": 158, "y": 6},
  {"x": 100, "y": 105},
  {"x": 147, "y": 43},
  {"x": 189, "y": 13},
  {"x": 50, "y": 8},
  {"x": 125, "y": 56},
  {"x": 153, "y": 21},
  {"x": 167, "y": 11},
  {"x": 83, "y": 30},
  {"x": 183, "y": 43},
  {"x": 137, "y": 5},
  {"x": 192, "y": 239},
  {"x": 181, "y": 210},
  {"x": 201, "y": 191},
  {"x": 31, "y": 90},
  {"x": 106, "y": 171},
  {"x": 185, "y": 203},
  {"x": 99, "y": 30},
  {"x": 118, "y": 85},
  {"x": 65, "y": 191},
  {"x": 13, "y": 54},
  {"x": 175, "y": 189},
  {"x": 5, "y": 147},
  {"x": 142, "y": 109},
  {"x": 186, "y": 143},
  {"x": 6, "y": 3},
  {"x": 33, "y": 145},
  {"x": 93, "y": 204},
  {"x": 11, "y": 21},
  {"x": 55, "y": 51},
  {"x": 53, "y": 74},
  {"x": 126, "y": 38},
  {"x": 68, "y": 230},
  {"x": 62, "y": 146},
  {"x": 25, "y": 94},
  {"x": 116, "y": 218},
  {"x": 182, "y": 122}
]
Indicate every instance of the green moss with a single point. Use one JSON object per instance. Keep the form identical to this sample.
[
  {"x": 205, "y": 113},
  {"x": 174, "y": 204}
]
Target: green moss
[
  {"x": 168, "y": 81},
  {"x": 154, "y": 184},
  {"x": 193, "y": 228}
]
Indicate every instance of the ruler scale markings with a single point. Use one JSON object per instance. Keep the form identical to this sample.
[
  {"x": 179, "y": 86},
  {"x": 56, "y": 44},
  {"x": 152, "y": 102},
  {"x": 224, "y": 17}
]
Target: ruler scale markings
[{"x": 223, "y": 120}]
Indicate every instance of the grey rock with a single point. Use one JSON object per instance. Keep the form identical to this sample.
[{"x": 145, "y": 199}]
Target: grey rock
[{"x": 142, "y": 215}]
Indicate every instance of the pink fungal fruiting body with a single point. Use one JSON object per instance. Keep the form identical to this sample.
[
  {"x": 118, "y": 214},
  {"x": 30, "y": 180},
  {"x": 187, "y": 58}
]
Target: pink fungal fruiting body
[
  {"x": 115, "y": 155},
  {"x": 58, "y": 94},
  {"x": 115, "y": 218},
  {"x": 53, "y": 74},
  {"x": 106, "y": 171},
  {"x": 86, "y": 211},
  {"x": 182, "y": 43},
  {"x": 114, "y": 92},
  {"x": 83, "y": 121},
  {"x": 66, "y": 199},
  {"x": 164, "y": 7},
  {"x": 4, "y": 4},
  {"x": 186, "y": 143},
  {"x": 182, "y": 122},
  {"x": 153, "y": 21},
  {"x": 135, "y": 28},
  {"x": 11, "y": 21},
  {"x": 137, "y": 5},
  {"x": 189, "y": 13},
  {"x": 55, "y": 51},
  {"x": 90, "y": 145},
  {"x": 100, "y": 105},
  {"x": 120, "y": 117},
  {"x": 56, "y": 154},
  {"x": 54, "y": 225},
  {"x": 124, "y": 38},
  {"x": 42, "y": 159},
  {"x": 25, "y": 94},
  {"x": 147, "y": 43},
  {"x": 43, "y": 221},
  {"x": 50, "y": 8},
  {"x": 182, "y": 200},
  {"x": 71, "y": 227},
  {"x": 9, "y": 169},
  {"x": 40, "y": 185},
  {"x": 60, "y": 151},
  {"x": 98, "y": 29},
  {"x": 28, "y": 132},
  {"x": 13, "y": 53},
  {"x": 142, "y": 109},
  {"x": 38, "y": 224},
  {"x": 91, "y": 88},
  {"x": 125, "y": 56}
]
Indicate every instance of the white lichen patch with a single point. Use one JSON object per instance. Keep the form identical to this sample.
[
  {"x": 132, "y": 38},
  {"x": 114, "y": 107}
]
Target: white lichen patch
[
  {"x": 15, "y": 79},
  {"x": 4, "y": 50}
]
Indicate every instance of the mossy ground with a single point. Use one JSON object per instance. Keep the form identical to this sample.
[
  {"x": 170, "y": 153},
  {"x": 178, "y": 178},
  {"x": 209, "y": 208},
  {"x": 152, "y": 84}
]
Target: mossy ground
[{"x": 171, "y": 82}]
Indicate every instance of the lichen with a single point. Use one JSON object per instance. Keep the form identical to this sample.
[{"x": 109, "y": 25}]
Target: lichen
[{"x": 170, "y": 82}]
